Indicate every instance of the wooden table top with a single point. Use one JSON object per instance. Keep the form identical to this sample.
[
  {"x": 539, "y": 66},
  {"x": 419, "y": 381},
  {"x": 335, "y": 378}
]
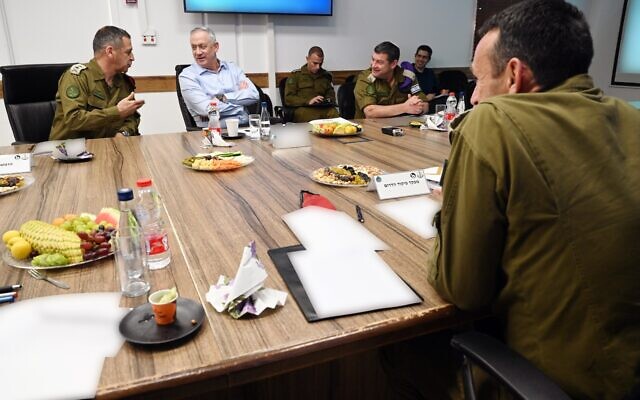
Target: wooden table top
[{"x": 211, "y": 217}]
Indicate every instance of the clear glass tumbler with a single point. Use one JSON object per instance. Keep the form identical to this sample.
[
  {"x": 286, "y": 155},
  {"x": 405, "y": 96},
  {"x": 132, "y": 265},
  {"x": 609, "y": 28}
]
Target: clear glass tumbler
[
  {"x": 254, "y": 126},
  {"x": 131, "y": 261}
]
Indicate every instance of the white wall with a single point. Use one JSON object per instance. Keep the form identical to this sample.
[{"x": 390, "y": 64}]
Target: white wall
[{"x": 55, "y": 31}]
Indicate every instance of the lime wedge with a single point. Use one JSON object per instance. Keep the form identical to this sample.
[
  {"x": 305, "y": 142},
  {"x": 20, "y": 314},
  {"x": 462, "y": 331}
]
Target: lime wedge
[{"x": 168, "y": 297}]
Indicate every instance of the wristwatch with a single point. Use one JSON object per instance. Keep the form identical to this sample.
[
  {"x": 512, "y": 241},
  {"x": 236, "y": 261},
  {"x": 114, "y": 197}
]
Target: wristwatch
[{"x": 125, "y": 133}]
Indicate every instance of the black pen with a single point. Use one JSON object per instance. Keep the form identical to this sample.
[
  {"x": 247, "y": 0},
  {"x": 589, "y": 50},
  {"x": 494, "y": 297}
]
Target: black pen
[
  {"x": 444, "y": 170},
  {"x": 359, "y": 213},
  {"x": 9, "y": 288}
]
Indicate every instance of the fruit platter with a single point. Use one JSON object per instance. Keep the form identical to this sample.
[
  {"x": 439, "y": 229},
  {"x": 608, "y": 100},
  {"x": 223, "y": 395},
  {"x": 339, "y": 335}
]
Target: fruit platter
[
  {"x": 13, "y": 183},
  {"x": 345, "y": 175},
  {"x": 68, "y": 241},
  {"x": 217, "y": 161},
  {"x": 334, "y": 127}
]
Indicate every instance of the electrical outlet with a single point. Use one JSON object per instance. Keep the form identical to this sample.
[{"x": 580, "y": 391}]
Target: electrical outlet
[{"x": 149, "y": 39}]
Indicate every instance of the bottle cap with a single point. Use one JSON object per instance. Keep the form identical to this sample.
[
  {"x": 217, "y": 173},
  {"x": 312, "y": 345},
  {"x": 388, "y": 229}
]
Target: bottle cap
[
  {"x": 125, "y": 194},
  {"x": 143, "y": 182},
  {"x": 452, "y": 94},
  {"x": 264, "y": 104}
]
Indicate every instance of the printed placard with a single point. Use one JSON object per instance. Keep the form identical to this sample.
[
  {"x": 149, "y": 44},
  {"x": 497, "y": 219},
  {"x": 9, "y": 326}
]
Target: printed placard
[
  {"x": 401, "y": 184},
  {"x": 15, "y": 163}
]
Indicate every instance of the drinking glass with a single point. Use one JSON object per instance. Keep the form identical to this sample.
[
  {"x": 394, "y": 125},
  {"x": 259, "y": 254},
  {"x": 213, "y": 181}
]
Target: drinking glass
[
  {"x": 131, "y": 261},
  {"x": 254, "y": 126}
]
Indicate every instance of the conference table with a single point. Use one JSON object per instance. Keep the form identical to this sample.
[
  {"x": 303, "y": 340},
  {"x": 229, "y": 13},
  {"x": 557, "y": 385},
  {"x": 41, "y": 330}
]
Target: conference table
[{"x": 211, "y": 217}]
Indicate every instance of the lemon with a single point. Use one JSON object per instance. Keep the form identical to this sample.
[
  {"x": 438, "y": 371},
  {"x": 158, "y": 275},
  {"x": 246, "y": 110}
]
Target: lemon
[
  {"x": 21, "y": 249},
  {"x": 13, "y": 240},
  {"x": 8, "y": 235},
  {"x": 350, "y": 129}
]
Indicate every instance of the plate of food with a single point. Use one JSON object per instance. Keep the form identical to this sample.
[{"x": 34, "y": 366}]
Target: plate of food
[
  {"x": 217, "y": 161},
  {"x": 345, "y": 175},
  {"x": 69, "y": 241},
  {"x": 84, "y": 156},
  {"x": 334, "y": 127},
  {"x": 14, "y": 183}
]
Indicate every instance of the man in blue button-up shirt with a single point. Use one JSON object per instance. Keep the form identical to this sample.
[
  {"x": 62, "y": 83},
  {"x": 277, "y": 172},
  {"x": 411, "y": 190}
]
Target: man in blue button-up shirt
[{"x": 210, "y": 78}]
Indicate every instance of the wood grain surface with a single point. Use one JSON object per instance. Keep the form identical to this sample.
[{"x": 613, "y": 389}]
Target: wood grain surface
[{"x": 211, "y": 217}]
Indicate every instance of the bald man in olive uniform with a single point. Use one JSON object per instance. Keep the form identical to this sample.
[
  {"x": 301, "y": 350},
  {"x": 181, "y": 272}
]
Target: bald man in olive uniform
[
  {"x": 310, "y": 90},
  {"x": 387, "y": 90},
  {"x": 95, "y": 100}
]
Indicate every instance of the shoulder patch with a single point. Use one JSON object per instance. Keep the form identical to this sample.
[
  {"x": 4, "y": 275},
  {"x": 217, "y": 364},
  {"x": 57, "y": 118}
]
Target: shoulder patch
[
  {"x": 371, "y": 78},
  {"x": 73, "y": 92},
  {"x": 77, "y": 68},
  {"x": 371, "y": 90},
  {"x": 409, "y": 74}
]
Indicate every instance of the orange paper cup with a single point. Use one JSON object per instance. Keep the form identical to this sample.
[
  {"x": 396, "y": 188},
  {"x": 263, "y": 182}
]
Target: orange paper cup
[{"x": 165, "y": 312}]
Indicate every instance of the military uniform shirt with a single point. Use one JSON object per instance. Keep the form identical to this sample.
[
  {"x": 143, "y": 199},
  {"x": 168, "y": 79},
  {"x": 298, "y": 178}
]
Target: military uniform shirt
[
  {"x": 541, "y": 219},
  {"x": 87, "y": 107},
  {"x": 302, "y": 86},
  {"x": 370, "y": 90}
]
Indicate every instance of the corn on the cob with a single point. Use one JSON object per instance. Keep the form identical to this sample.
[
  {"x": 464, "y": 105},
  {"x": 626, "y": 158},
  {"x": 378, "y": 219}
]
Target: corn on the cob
[{"x": 48, "y": 239}]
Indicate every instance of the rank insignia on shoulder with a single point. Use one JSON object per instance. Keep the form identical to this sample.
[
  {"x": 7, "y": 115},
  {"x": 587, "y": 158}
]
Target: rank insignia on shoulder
[
  {"x": 77, "y": 68},
  {"x": 371, "y": 78},
  {"x": 73, "y": 92}
]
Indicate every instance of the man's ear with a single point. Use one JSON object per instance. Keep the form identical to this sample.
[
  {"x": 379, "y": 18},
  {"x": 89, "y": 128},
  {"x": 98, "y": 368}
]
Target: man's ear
[
  {"x": 520, "y": 77},
  {"x": 394, "y": 64}
]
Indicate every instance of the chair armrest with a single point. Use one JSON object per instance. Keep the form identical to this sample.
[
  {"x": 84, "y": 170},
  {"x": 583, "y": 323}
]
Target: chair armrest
[{"x": 509, "y": 367}]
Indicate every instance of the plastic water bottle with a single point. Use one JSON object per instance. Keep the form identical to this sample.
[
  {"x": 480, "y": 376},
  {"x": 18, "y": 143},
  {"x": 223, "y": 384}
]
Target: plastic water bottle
[
  {"x": 450, "y": 112},
  {"x": 265, "y": 123},
  {"x": 214, "y": 117},
  {"x": 461, "y": 104},
  {"x": 149, "y": 213},
  {"x": 130, "y": 249}
]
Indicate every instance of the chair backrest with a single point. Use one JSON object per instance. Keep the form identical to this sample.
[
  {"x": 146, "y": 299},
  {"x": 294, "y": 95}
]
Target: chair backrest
[
  {"x": 346, "y": 98},
  {"x": 281, "y": 88},
  {"x": 189, "y": 122},
  {"x": 453, "y": 80},
  {"x": 29, "y": 97}
]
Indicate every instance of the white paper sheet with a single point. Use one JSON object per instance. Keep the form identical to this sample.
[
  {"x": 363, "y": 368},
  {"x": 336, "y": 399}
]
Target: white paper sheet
[
  {"x": 323, "y": 229},
  {"x": 54, "y": 347},
  {"x": 414, "y": 213},
  {"x": 349, "y": 281}
]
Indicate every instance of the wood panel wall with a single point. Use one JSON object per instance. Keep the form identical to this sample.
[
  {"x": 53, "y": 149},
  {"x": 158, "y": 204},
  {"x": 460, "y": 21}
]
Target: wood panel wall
[{"x": 167, "y": 83}]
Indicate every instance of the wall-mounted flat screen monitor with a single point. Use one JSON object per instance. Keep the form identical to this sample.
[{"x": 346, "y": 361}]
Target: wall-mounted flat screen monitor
[
  {"x": 295, "y": 7},
  {"x": 626, "y": 68}
]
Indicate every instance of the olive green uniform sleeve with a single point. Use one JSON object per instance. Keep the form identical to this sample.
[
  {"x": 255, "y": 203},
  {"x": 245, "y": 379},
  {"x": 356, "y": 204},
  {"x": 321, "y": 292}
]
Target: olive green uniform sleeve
[
  {"x": 292, "y": 95},
  {"x": 364, "y": 93},
  {"x": 81, "y": 110},
  {"x": 471, "y": 230},
  {"x": 330, "y": 92}
]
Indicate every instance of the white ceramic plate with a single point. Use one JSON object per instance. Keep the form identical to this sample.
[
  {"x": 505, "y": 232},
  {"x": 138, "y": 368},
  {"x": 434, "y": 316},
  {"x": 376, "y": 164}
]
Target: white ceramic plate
[{"x": 28, "y": 181}]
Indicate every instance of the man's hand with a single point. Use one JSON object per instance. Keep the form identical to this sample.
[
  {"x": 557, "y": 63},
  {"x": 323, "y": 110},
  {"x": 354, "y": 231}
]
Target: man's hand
[
  {"x": 316, "y": 100},
  {"x": 129, "y": 105},
  {"x": 243, "y": 85},
  {"x": 415, "y": 105}
]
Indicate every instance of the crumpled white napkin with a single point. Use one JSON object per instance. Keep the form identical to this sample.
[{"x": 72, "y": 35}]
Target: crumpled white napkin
[
  {"x": 245, "y": 293},
  {"x": 434, "y": 122},
  {"x": 213, "y": 138}
]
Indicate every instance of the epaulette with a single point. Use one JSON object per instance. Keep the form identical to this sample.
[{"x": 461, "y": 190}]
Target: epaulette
[
  {"x": 295, "y": 71},
  {"x": 409, "y": 74},
  {"x": 131, "y": 81},
  {"x": 371, "y": 78},
  {"x": 77, "y": 68}
]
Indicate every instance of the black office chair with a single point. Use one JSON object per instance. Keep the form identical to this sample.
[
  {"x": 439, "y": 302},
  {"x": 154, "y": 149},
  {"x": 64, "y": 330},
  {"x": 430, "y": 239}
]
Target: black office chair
[
  {"x": 284, "y": 112},
  {"x": 512, "y": 370},
  {"x": 30, "y": 99},
  {"x": 346, "y": 98},
  {"x": 256, "y": 107},
  {"x": 189, "y": 122}
]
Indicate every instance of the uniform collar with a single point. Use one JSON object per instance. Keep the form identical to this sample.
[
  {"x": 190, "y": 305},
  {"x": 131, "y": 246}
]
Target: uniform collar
[
  {"x": 98, "y": 74},
  {"x": 577, "y": 83},
  {"x": 305, "y": 70}
]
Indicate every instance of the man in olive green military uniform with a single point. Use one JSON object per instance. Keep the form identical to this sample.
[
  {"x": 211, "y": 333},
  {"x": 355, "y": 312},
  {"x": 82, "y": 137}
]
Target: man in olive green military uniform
[
  {"x": 540, "y": 216},
  {"x": 95, "y": 100},
  {"x": 387, "y": 90},
  {"x": 310, "y": 90}
]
